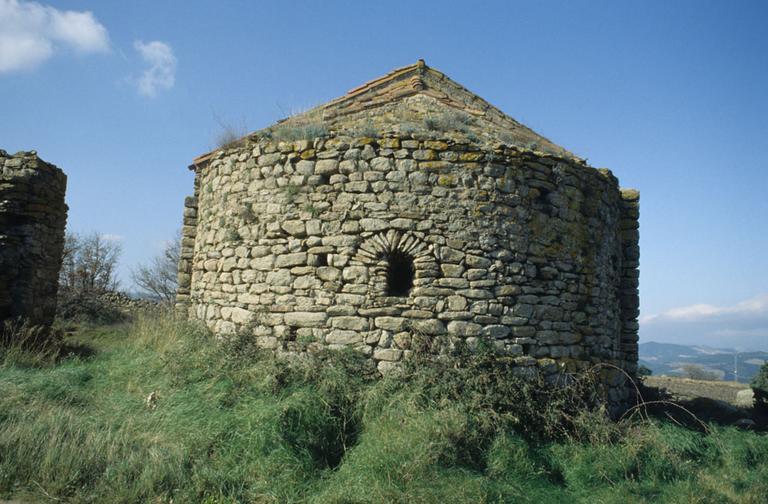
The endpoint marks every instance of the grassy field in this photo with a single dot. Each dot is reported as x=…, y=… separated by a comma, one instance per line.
x=157, y=411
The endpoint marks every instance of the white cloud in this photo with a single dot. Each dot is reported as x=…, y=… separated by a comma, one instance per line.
x=755, y=306
x=110, y=237
x=744, y=324
x=161, y=71
x=30, y=33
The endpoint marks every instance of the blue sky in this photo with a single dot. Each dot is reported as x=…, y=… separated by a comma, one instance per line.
x=669, y=95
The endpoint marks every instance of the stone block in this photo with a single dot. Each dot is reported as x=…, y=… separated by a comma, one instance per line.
x=394, y=324
x=382, y=164
x=496, y=331
x=288, y=260
x=355, y=274
x=387, y=354
x=350, y=323
x=265, y=263
x=326, y=167
x=452, y=270
x=305, y=167
x=523, y=331
x=432, y=327
x=424, y=155
x=463, y=329
x=450, y=255
x=295, y=228
x=328, y=273
x=369, y=224
x=343, y=337
x=305, y=319
x=279, y=278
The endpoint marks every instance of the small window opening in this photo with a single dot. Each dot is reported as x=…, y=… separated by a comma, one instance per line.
x=400, y=273
x=542, y=197
x=322, y=259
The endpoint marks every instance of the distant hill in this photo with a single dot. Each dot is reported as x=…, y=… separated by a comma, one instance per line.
x=668, y=359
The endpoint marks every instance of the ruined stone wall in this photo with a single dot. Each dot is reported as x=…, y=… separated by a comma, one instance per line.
x=32, y=219
x=630, y=277
x=376, y=244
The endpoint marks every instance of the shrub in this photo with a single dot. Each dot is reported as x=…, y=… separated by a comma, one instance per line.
x=367, y=129
x=88, y=308
x=697, y=372
x=307, y=131
x=232, y=235
x=497, y=396
x=291, y=190
x=88, y=272
x=246, y=213
x=760, y=387
x=229, y=135
x=449, y=121
x=25, y=345
x=507, y=138
x=89, y=264
x=158, y=280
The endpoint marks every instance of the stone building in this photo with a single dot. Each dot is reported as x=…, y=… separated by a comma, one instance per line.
x=32, y=219
x=407, y=210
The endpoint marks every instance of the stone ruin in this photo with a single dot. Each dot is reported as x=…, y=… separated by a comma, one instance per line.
x=411, y=209
x=32, y=219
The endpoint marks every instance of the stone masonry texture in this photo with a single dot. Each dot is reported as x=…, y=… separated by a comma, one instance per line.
x=379, y=239
x=32, y=220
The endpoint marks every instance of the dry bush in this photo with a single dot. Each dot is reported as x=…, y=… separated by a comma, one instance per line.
x=697, y=372
x=88, y=271
x=229, y=134
x=158, y=279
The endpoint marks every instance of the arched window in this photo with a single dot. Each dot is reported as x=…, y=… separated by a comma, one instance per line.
x=400, y=273
x=395, y=260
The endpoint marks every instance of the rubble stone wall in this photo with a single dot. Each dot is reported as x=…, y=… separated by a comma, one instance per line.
x=32, y=220
x=381, y=244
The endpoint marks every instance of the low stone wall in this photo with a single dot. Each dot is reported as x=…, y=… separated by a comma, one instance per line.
x=32, y=220
x=375, y=243
x=125, y=302
x=685, y=388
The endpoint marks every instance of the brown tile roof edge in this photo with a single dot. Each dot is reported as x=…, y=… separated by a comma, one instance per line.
x=202, y=159
x=383, y=79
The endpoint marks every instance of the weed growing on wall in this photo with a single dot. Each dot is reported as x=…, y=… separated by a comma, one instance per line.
x=449, y=121
x=291, y=133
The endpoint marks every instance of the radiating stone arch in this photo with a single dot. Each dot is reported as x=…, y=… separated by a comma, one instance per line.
x=378, y=251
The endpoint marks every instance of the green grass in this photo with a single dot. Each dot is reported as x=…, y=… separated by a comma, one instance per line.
x=231, y=424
